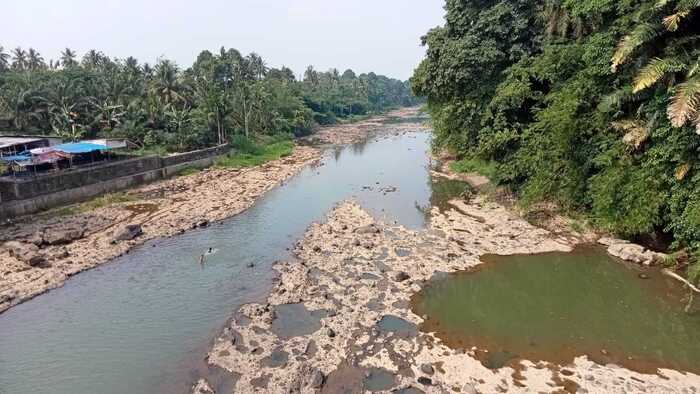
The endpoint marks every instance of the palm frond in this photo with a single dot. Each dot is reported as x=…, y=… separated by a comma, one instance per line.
x=657, y=68
x=685, y=103
x=615, y=100
x=672, y=21
x=662, y=3
x=644, y=33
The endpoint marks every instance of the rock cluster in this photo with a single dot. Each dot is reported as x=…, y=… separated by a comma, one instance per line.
x=628, y=251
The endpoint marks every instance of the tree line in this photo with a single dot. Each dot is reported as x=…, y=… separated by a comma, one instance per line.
x=221, y=96
x=592, y=104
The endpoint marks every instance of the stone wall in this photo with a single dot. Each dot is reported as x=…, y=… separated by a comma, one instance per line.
x=22, y=197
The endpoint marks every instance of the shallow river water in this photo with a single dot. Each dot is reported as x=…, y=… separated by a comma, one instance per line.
x=557, y=306
x=143, y=323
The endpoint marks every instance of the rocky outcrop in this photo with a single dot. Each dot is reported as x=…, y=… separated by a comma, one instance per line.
x=62, y=236
x=26, y=252
x=628, y=251
x=129, y=232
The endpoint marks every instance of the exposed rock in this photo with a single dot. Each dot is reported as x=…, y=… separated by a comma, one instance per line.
x=400, y=276
x=20, y=249
x=425, y=381
x=202, y=223
x=427, y=369
x=63, y=236
x=28, y=253
x=129, y=232
x=634, y=253
x=607, y=241
x=317, y=379
x=469, y=389
x=38, y=260
x=202, y=387
x=36, y=239
x=329, y=332
x=368, y=229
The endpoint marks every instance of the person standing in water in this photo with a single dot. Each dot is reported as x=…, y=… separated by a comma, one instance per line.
x=201, y=261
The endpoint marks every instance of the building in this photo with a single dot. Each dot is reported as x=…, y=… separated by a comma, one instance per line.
x=12, y=145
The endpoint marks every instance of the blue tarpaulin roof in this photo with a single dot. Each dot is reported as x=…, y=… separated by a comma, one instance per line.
x=80, y=147
x=15, y=158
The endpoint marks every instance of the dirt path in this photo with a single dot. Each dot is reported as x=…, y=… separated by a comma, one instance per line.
x=41, y=252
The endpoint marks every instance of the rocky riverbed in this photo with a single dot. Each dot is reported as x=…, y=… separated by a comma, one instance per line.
x=41, y=252
x=339, y=317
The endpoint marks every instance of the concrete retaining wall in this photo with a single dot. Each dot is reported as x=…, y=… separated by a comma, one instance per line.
x=49, y=191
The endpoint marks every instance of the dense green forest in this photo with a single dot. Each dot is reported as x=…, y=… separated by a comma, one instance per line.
x=222, y=96
x=591, y=104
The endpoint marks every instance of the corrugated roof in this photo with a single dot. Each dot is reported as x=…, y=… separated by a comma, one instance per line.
x=6, y=142
x=80, y=147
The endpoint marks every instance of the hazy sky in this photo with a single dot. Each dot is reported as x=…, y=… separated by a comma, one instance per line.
x=366, y=35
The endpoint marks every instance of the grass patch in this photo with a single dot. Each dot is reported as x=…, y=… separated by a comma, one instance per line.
x=188, y=171
x=248, y=153
x=473, y=164
x=106, y=200
x=99, y=202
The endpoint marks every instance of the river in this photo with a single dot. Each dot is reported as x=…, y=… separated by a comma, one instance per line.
x=143, y=323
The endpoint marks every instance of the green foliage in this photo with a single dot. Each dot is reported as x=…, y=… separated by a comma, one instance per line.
x=188, y=171
x=163, y=106
x=474, y=164
x=248, y=153
x=104, y=201
x=569, y=103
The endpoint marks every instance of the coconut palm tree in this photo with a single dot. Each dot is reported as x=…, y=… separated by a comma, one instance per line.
x=166, y=83
x=19, y=59
x=4, y=59
x=34, y=60
x=68, y=57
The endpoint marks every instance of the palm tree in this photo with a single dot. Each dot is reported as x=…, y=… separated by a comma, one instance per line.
x=258, y=67
x=4, y=59
x=679, y=64
x=68, y=58
x=34, y=60
x=166, y=84
x=93, y=58
x=19, y=59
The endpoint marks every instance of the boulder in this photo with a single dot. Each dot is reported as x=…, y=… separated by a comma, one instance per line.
x=316, y=379
x=36, y=239
x=400, y=276
x=607, y=241
x=427, y=369
x=329, y=332
x=28, y=253
x=369, y=229
x=129, y=232
x=634, y=253
x=63, y=236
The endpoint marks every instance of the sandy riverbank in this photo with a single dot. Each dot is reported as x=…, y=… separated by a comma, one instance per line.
x=41, y=252
x=357, y=271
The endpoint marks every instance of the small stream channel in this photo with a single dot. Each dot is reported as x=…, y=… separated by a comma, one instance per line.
x=143, y=323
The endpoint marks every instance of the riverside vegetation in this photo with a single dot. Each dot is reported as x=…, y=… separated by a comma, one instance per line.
x=221, y=97
x=593, y=105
